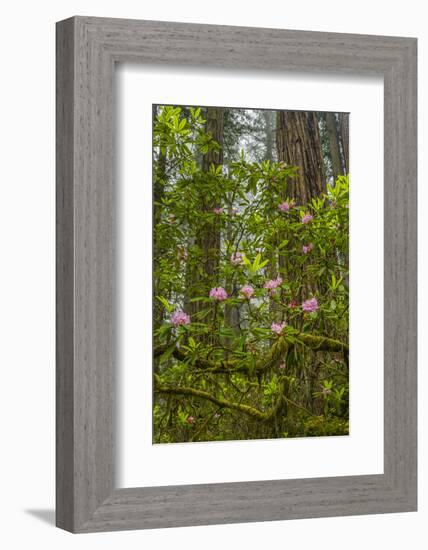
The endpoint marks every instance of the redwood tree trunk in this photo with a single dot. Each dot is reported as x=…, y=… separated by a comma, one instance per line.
x=269, y=120
x=299, y=144
x=208, y=240
x=210, y=237
x=344, y=138
x=334, y=146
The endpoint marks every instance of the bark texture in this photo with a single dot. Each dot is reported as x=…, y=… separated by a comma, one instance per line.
x=344, y=138
x=208, y=240
x=299, y=144
x=269, y=121
x=334, y=145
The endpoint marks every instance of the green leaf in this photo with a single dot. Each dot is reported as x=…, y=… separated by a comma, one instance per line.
x=265, y=262
x=167, y=353
x=165, y=303
x=246, y=260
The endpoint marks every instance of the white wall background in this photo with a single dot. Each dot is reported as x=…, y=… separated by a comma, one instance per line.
x=27, y=272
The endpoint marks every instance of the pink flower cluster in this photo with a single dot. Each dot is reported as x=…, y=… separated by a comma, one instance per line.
x=247, y=291
x=237, y=258
x=190, y=419
x=272, y=284
x=277, y=328
x=310, y=305
x=284, y=207
x=218, y=211
x=307, y=218
x=281, y=365
x=218, y=293
x=180, y=318
x=306, y=248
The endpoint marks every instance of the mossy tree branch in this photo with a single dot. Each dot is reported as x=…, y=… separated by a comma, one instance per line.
x=276, y=352
x=253, y=412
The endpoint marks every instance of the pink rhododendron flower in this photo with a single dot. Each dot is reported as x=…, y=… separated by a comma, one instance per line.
x=307, y=248
x=307, y=218
x=293, y=304
x=180, y=318
x=190, y=419
x=310, y=305
x=273, y=283
x=247, y=291
x=281, y=365
x=218, y=211
x=278, y=327
x=218, y=293
x=237, y=258
x=284, y=207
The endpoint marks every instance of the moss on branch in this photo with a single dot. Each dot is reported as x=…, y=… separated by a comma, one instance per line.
x=192, y=392
x=280, y=402
x=276, y=353
x=321, y=343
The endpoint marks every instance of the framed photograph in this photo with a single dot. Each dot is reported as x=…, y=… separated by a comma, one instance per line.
x=236, y=274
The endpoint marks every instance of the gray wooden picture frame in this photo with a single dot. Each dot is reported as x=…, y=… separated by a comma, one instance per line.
x=87, y=50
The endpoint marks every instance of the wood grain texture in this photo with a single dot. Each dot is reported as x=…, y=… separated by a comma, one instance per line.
x=87, y=49
x=64, y=276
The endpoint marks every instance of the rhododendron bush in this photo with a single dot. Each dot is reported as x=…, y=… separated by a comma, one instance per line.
x=250, y=287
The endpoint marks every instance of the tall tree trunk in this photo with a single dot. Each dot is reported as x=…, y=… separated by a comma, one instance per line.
x=344, y=139
x=299, y=144
x=210, y=237
x=208, y=240
x=214, y=126
x=269, y=135
x=334, y=145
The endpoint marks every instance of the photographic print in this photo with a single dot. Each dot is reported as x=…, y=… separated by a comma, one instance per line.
x=250, y=273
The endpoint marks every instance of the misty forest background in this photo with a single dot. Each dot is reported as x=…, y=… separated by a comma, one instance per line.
x=250, y=273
